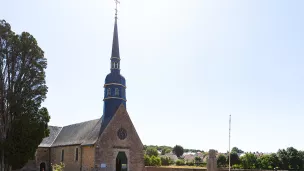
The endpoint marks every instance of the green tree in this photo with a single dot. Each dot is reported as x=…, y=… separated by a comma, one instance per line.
x=23, y=122
x=249, y=161
x=294, y=160
x=178, y=150
x=283, y=157
x=274, y=161
x=264, y=162
x=234, y=159
x=165, y=151
x=152, y=151
x=236, y=150
x=221, y=161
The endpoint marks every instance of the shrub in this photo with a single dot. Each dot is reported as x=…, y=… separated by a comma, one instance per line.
x=58, y=167
x=180, y=162
x=165, y=161
x=237, y=166
x=155, y=161
x=190, y=163
x=147, y=160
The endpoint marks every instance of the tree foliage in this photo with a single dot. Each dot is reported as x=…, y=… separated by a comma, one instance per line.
x=236, y=150
x=23, y=122
x=234, y=159
x=155, y=161
x=152, y=151
x=249, y=161
x=178, y=150
x=221, y=161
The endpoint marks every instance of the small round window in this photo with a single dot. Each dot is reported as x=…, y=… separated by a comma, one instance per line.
x=122, y=133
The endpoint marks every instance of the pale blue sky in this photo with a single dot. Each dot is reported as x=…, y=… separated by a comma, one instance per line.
x=188, y=65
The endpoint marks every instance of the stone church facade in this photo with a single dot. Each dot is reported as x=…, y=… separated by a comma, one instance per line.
x=109, y=143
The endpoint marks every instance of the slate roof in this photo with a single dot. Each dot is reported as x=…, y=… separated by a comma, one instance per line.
x=48, y=141
x=84, y=133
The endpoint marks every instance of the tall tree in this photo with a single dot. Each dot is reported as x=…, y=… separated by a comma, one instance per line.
x=178, y=150
x=283, y=157
x=23, y=122
x=221, y=161
x=236, y=150
x=249, y=161
x=234, y=159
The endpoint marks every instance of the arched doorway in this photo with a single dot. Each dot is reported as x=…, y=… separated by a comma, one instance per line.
x=42, y=166
x=121, y=162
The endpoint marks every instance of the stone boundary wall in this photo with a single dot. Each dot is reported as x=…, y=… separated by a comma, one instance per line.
x=151, y=168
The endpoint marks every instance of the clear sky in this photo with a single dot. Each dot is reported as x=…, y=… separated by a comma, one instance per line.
x=188, y=65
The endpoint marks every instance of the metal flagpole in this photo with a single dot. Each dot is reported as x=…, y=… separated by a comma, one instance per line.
x=229, y=138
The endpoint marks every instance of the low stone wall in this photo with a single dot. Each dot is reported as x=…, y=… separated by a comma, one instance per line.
x=150, y=168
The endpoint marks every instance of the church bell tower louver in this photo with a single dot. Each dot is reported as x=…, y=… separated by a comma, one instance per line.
x=115, y=83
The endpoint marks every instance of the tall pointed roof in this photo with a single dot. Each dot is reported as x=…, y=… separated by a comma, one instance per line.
x=115, y=45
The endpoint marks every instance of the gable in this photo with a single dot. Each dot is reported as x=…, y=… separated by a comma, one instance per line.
x=109, y=136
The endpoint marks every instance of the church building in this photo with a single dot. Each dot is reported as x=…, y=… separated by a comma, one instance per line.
x=109, y=143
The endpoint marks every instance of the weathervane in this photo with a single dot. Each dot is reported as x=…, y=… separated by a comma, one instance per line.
x=117, y=2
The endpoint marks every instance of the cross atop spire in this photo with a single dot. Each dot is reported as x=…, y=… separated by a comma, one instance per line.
x=116, y=2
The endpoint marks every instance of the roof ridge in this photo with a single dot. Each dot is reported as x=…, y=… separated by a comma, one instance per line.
x=80, y=122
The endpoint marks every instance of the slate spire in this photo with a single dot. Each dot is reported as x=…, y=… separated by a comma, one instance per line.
x=115, y=45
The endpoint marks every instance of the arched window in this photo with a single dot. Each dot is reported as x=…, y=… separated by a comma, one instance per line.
x=116, y=92
x=109, y=92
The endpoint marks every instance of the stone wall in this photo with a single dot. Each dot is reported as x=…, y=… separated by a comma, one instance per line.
x=42, y=156
x=88, y=157
x=108, y=145
x=69, y=157
x=150, y=168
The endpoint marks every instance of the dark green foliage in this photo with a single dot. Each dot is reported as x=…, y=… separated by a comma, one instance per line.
x=180, y=162
x=221, y=161
x=236, y=150
x=166, y=161
x=165, y=151
x=178, y=150
x=22, y=90
x=197, y=159
x=152, y=151
x=234, y=159
x=190, y=163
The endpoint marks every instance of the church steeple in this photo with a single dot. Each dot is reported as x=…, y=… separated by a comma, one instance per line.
x=115, y=83
x=115, y=57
